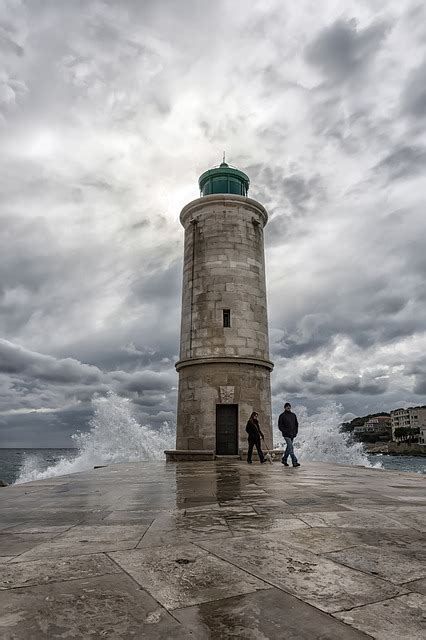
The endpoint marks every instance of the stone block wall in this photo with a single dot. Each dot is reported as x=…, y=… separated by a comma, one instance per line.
x=199, y=393
x=224, y=268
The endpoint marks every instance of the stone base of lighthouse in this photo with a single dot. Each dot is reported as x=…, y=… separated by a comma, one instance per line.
x=216, y=398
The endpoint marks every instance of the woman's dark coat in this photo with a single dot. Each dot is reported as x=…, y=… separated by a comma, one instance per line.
x=253, y=430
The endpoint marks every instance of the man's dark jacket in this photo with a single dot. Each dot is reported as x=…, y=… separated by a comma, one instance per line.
x=288, y=425
x=253, y=430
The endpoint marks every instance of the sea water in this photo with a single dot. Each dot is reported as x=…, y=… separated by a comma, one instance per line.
x=320, y=440
x=116, y=436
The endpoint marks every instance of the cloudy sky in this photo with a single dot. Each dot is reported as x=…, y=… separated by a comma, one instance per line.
x=109, y=111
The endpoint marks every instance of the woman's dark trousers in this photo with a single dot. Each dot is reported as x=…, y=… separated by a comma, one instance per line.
x=254, y=443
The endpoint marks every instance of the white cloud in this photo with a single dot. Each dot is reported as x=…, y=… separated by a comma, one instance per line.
x=107, y=125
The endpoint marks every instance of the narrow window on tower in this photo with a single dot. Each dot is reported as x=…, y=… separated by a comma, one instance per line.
x=227, y=317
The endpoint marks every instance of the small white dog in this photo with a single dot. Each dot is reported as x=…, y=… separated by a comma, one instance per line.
x=269, y=457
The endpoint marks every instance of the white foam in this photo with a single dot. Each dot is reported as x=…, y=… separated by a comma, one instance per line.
x=320, y=439
x=114, y=436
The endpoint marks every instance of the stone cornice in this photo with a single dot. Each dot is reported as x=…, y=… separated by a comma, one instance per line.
x=192, y=208
x=259, y=362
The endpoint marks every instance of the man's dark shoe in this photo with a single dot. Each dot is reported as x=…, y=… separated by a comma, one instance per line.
x=249, y=462
x=284, y=463
x=262, y=461
x=297, y=464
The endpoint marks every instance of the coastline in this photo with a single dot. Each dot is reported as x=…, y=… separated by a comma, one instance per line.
x=395, y=449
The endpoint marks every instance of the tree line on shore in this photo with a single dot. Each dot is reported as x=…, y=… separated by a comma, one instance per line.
x=402, y=434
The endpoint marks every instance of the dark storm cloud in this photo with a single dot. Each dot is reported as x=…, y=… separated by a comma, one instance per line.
x=310, y=375
x=43, y=394
x=144, y=380
x=127, y=349
x=161, y=282
x=364, y=329
x=300, y=190
x=26, y=259
x=31, y=370
x=290, y=198
x=414, y=95
x=342, y=49
x=316, y=382
x=8, y=43
x=104, y=128
x=404, y=162
x=420, y=385
x=17, y=360
x=381, y=320
x=44, y=429
x=349, y=57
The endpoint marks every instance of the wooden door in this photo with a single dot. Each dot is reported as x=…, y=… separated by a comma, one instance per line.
x=226, y=429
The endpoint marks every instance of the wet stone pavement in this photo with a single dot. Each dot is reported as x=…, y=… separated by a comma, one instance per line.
x=215, y=550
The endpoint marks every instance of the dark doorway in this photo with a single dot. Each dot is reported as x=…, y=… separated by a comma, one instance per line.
x=227, y=429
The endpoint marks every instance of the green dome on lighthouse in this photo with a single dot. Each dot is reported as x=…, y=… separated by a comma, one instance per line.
x=224, y=179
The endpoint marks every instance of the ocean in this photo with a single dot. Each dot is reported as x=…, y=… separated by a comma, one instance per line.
x=14, y=462
x=116, y=436
x=21, y=463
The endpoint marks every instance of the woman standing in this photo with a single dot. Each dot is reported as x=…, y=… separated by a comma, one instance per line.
x=254, y=435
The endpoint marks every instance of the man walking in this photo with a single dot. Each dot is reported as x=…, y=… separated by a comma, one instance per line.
x=288, y=425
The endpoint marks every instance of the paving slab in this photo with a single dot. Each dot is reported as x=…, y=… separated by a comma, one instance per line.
x=419, y=586
x=134, y=517
x=87, y=539
x=31, y=528
x=180, y=536
x=414, y=519
x=103, y=553
x=396, y=565
x=375, y=537
x=359, y=519
x=17, y=543
x=198, y=522
x=324, y=507
x=24, y=574
x=401, y=618
x=41, y=518
x=326, y=539
x=102, y=607
x=179, y=528
x=316, y=580
x=322, y=539
x=222, y=510
x=263, y=524
x=265, y=615
x=179, y=576
x=5, y=524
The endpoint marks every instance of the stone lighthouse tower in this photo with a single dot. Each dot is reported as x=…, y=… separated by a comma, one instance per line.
x=224, y=367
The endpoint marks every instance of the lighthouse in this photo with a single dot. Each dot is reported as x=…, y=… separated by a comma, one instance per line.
x=224, y=366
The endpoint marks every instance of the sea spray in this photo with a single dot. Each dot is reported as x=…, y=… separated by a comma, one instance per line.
x=320, y=439
x=114, y=436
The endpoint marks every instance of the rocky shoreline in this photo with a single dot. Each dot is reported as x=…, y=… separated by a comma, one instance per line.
x=395, y=449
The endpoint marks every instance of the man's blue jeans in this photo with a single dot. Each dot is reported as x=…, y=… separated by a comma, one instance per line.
x=289, y=451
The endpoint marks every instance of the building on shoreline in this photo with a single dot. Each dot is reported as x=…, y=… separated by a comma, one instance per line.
x=411, y=418
x=224, y=366
x=379, y=426
x=422, y=435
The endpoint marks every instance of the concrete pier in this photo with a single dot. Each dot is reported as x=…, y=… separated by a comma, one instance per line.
x=215, y=550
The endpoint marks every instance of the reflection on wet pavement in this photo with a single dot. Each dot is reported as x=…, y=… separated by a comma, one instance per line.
x=214, y=550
